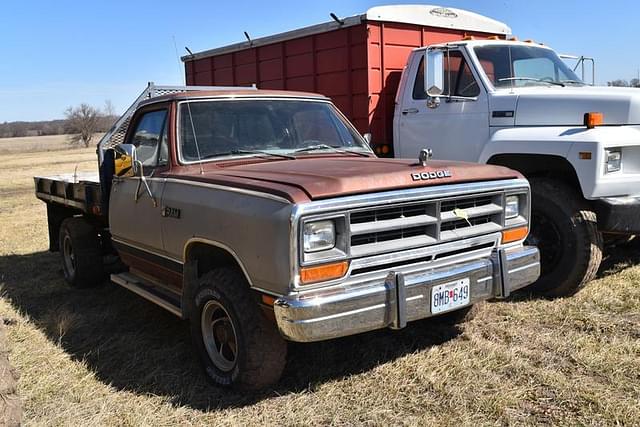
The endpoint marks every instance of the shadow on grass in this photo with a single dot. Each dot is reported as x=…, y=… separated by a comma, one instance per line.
x=134, y=345
x=615, y=258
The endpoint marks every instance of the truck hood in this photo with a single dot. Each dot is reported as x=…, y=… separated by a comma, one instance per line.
x=566, y=106
x=324, y=177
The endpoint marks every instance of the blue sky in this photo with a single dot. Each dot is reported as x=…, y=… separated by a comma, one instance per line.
x=60, y=53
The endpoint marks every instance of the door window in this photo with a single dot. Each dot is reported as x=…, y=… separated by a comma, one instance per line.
x=458, y=76
x=150, y=139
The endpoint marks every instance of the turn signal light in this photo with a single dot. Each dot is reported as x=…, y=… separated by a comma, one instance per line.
x=514, y=234
x=320, y=273
x=593, y=119
x=268, y=299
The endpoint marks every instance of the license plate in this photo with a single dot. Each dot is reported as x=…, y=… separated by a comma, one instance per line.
x=450, y=296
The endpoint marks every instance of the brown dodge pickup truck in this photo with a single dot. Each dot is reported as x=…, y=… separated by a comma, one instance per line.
x=263, y=216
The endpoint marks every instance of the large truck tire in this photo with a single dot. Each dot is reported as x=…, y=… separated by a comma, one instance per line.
x=237, y=344
x=565, y=231
x=81, y=253
x=10, y=403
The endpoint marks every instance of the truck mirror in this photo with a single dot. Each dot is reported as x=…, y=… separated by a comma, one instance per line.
x=126, y=161
x=367, y=137
x=434, y=72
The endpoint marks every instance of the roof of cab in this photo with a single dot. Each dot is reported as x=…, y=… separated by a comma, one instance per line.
x=234, y=93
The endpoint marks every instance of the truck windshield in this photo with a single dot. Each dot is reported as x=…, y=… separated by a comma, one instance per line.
x=509, y=66
x=217, y=128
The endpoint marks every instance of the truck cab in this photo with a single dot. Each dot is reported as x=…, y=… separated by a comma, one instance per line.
x=518, y=104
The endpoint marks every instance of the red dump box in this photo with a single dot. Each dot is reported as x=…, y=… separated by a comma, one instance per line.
x=357, y=61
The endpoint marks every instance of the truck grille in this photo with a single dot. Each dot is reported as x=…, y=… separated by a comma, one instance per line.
x=391, y=228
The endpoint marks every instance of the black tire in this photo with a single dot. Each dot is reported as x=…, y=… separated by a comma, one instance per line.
x=566, y=233
x=223, y=301
x=81, y=253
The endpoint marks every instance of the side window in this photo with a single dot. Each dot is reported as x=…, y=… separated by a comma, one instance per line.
x=460, y=77
x=418, y=85
x=150, y=139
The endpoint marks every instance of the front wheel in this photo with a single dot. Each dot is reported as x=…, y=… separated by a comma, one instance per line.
x=237, y=344
x=565, y=231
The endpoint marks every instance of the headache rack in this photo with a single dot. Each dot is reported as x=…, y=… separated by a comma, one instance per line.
x=118, y=131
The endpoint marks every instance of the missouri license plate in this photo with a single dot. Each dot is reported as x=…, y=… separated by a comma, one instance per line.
x=450, y=296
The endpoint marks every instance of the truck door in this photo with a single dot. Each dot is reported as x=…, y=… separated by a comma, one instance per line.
x=454, y=129
x=134, y=214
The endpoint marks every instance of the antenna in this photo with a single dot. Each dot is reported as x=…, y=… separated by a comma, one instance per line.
x=175, y=47
x=247, y=36
x=189, y=50
x=335, y=18
x=195, y=138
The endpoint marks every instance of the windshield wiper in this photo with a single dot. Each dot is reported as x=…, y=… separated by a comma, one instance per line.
x=578, y=82
x=264, y=153
x=329, y=147
x=532, y=79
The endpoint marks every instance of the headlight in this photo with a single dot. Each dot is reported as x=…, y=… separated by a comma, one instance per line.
x=614, y=160
x=319, y=236
x=512, y=207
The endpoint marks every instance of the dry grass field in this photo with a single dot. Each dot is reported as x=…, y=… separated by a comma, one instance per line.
x=104, y=356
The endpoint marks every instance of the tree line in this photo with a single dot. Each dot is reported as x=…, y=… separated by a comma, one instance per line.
x=624, y=83
x=81, y=122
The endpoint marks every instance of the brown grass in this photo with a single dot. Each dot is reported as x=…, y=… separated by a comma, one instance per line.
x=30, y=144
x=106, y=357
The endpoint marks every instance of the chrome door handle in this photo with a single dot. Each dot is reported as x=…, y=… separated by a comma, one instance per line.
x=410, y=111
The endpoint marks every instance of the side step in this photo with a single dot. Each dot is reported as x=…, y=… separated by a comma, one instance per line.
x=149, y=291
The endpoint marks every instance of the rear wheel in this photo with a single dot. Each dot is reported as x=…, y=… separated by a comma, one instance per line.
x=237, y=344
x=81, y=253
x=565, y=231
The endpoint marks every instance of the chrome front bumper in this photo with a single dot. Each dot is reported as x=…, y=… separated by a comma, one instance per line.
x=392, y=302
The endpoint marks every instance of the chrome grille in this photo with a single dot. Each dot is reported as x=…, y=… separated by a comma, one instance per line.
x=390, y=228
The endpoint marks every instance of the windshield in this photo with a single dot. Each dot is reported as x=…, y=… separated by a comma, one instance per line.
x=217, y=128
x=509, y=66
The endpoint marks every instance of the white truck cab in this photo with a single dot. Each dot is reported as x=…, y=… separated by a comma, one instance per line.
x=518, y=104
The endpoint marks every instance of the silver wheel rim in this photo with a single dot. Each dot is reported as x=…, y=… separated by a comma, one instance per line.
x=219, y=336
x=69, y=256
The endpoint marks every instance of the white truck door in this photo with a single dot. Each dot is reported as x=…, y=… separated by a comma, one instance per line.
x=454, y=130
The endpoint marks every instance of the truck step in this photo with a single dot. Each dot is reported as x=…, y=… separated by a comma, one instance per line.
x=150, y=291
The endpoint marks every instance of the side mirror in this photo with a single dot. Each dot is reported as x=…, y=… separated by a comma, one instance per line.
x=367, y=137
x=434, y=72
x=126, y=161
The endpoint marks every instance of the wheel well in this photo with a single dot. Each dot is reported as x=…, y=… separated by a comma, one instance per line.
x=201, y=257
x=56, y=214
x=540, y=165
x=207, y=257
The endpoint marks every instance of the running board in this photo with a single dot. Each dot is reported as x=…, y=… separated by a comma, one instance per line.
x=148, y=291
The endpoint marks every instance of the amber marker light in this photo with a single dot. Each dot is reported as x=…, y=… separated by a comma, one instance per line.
x=320, y=273
x=593, y=119
x=585, y=155
x=268, y=299
x=514, y=234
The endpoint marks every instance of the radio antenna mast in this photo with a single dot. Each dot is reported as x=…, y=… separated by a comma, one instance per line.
x=195, y=138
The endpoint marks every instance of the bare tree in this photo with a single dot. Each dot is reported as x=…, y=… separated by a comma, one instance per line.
x=108, y=116
x=82, y=123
